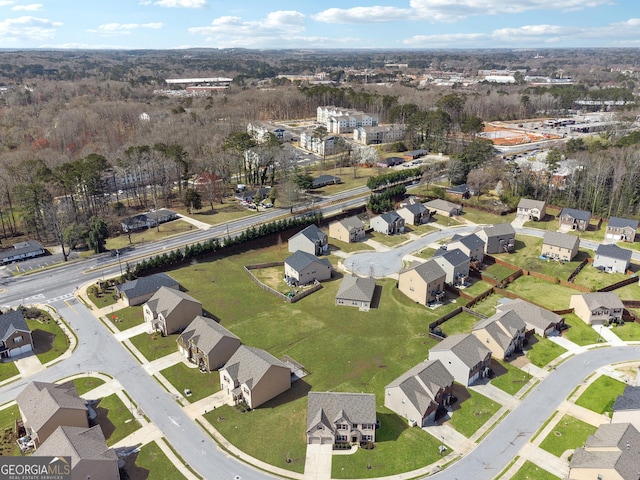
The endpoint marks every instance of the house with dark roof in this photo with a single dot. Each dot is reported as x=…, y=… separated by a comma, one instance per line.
x=423, y=283
x=138, y=291
x=21, y=251
x=207, y=343
x=414, y=214
x=15, y=335
x=541, y=321
x=460, y=191
x=572, y=219
x=348, y=230
x=419, y=393
x=169, y=311
x=464, y=356
x=499, y=238
x=311, y=240
x=455, y=264
x=503, y=333
x=46, y=406
x=529, y=209
x=87, y=447
x=324, y=180
x=612, y=259
x=302, y=268
x=356, y=292
x=597, y=308
x=471, y=245
x=340, y=418
x=253, y=196
x=254, y=376
x=148, y=220
x=389, y=162
x=621, y=229
x=388, y=223
x=413, y=154
x=443, y=207
x=559, y=246
x=626, y=408
x=611, y=452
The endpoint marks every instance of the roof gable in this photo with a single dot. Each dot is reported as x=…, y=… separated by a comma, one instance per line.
x=337, y=407
x=356, y=288
x=12, y=321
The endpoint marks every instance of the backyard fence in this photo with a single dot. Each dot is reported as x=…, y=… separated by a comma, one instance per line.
x=266, y=288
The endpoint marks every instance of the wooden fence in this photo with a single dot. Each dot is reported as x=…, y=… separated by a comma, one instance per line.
x=266, y=288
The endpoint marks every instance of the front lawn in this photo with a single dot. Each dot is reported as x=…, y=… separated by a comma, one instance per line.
x=579, y=332
x=530, y=471
x=49, y=341
x=420, y=230
x=86, y=384
x=102, y=298
x=389, y=240
x=444, y=220
x=601, y=394
x=482, y=217
x=335, y=244
x=8, y=370
x=155, y=346
x=471, y=411
x=554, y=297
x=115, y=419
x=426, y=253
x=510, y=379
x=201, y=384
x=398, y=448
x=569, y=434
x=150, y=463
x=629, y=332
x=8, y=445
x=127, y=317
x=541, y=351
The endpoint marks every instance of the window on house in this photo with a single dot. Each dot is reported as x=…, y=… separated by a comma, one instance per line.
x=367, y=438
x=17, y=339
x=342, y=426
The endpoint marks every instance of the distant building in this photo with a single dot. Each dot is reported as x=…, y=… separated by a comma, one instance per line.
x=378, y=135
x=148, y=220
x=261, y=130
x=348, y=230
x=22, y=251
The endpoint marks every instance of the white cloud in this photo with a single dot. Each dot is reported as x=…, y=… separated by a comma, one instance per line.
x=181, y=3
x=282, y=23
x=28, y=8
x=4, y=3
x=145, y=2
x=446, y=40
x=27, y=28
x=375, y=14
x=126, y=28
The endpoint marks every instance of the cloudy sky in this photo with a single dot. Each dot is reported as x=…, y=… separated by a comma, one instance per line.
x=319, y=24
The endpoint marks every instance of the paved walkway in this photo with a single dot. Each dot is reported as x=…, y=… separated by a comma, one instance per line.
x=317, y=465
x=456, y=442
x=194, y=222
x=609, y=335
x=132, y=332
x=496, y=394
x=572, y=348
x=164, y=362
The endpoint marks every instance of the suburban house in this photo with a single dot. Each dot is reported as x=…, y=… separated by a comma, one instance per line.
x=607, y=454
x=254, y=376
x=348, y=230
x=15, y=335
x=169, y=311
x=87, y=447
x=626, y=408
x=621, y=229
x=502, y=333
x=499, y=238
x=356, y=292
x=423, y=283
x=207, y=343
x=455, y=264
x=414, y=214
x=462, y=192
x=302, y=268
x=531, y=209
x=464, y=356
x=46, y=406
x=471, y=245
x=573, y=219
x=541, y=321
x=311, y=240
x=559, y=246
x=413, y=154
x=419, y=393
x=443, y=207
x=21, y=251
x=148, y=219
x=597, y=308
x=612, y=258
x=387, y=223
x=138, y=291
x=335, y=418
x=252, y=196
x=389, y=162
x=324, y=180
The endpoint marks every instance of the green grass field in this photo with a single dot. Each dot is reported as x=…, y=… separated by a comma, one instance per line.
x=579, y=332
x=8, y=417
x=115, y=419
x=389, y=240
x=601, y=394
x=127, y=317
x=8, y=370
x=150, y=463
x=86, y=384
x=629, y=332
x=554, y=297
x=469, y=414
x=168, y=229
x=155, y=346
x=570, y=433
x=512, y=380
x=48, y=338
x=530, y=471
x=542, y=351
x=201, y=384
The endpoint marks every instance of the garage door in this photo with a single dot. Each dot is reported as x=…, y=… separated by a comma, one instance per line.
x=314, y=440
x=327, y=441
x=17, y=351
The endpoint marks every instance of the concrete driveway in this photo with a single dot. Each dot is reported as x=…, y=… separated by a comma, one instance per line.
x=317, y=465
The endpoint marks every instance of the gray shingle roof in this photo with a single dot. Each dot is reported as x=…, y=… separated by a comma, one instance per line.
x=602, y=299
x=323, y=180
x=614, y=251
x=206, y=333
x=429, y=271
x=79, y=443
x=499, y=230
x=466, y=347
x=356, y=288
x=39, y=401
x=502, y=327
x=10, y=322
x=21, y=248
x=358, y=408
x=532, y=314
x=617, y=222
x=416, y=208
x=299, y=260
x=440, y=204
x=166, y=300
x=455, y=257
x=421, y=383
x=248, y=365
x=629, y=400
x=145, y=285
x=390, y=217
x=529, y=203
x=471, y=241
x=562, y=240
x=577, y=214
x=313, y=233
x=459, y=189
x=351, y=223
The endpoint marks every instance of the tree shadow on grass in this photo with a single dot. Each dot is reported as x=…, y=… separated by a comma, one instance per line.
x=461, y=394
x=42, y=341
x=377, y=294
x=101, y=419
x=133, y=471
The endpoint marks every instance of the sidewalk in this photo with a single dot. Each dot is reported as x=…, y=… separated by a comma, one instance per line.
x=317, y=465
x=495, y=394
x=194, y=222
x=608, y=335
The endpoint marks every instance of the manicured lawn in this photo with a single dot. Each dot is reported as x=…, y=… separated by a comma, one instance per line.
x=448, y=221
x=150, y=463
x=511, y=380
x=48, y=338
x=570, y=433
x=530, y=471
x=628, y=332
x=348, y=247
x=487, y=306
x=554, y=297
x=127, y=317
x=579, y=332
x=425, y=253
x=482, y=217
x=420, y=229
x=104, y=299
x=469, y=414
x=601, y=394
x=541, y=351
x=8, y=416
x=201, y=384
x=478, y=287
x=86, y=384
x=461, y=323
x=592, y=277
x=155, y=346
x=389, y=240
x=115, y=419
x=149, y=235
x=228, y=211
x=395, y=451
x=8, y=370
x=498, y=272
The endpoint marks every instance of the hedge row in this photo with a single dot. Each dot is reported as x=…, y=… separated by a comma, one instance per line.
x=374, y=183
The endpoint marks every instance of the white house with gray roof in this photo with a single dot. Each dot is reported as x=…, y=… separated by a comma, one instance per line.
x=531, y=209
x=423, y=283
x=388, y=223
x=471, y=245
x=311, y=240
x=499, y=238
x=503, y=333
x=138, y=291
x=418, y=393
x=612, y=259
x=559, y=246
x=348, y=230
x=341, y=418
x=15, y=335
x=542, y=321
x=414, y=214
x=254, y=376
x=621, y=229
x=21, y=251
x=302, y=268
x=356, y=292
x=207, y=343
x=464, y=356
x=597, y=308
x=455, y=264
x=169, y=311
